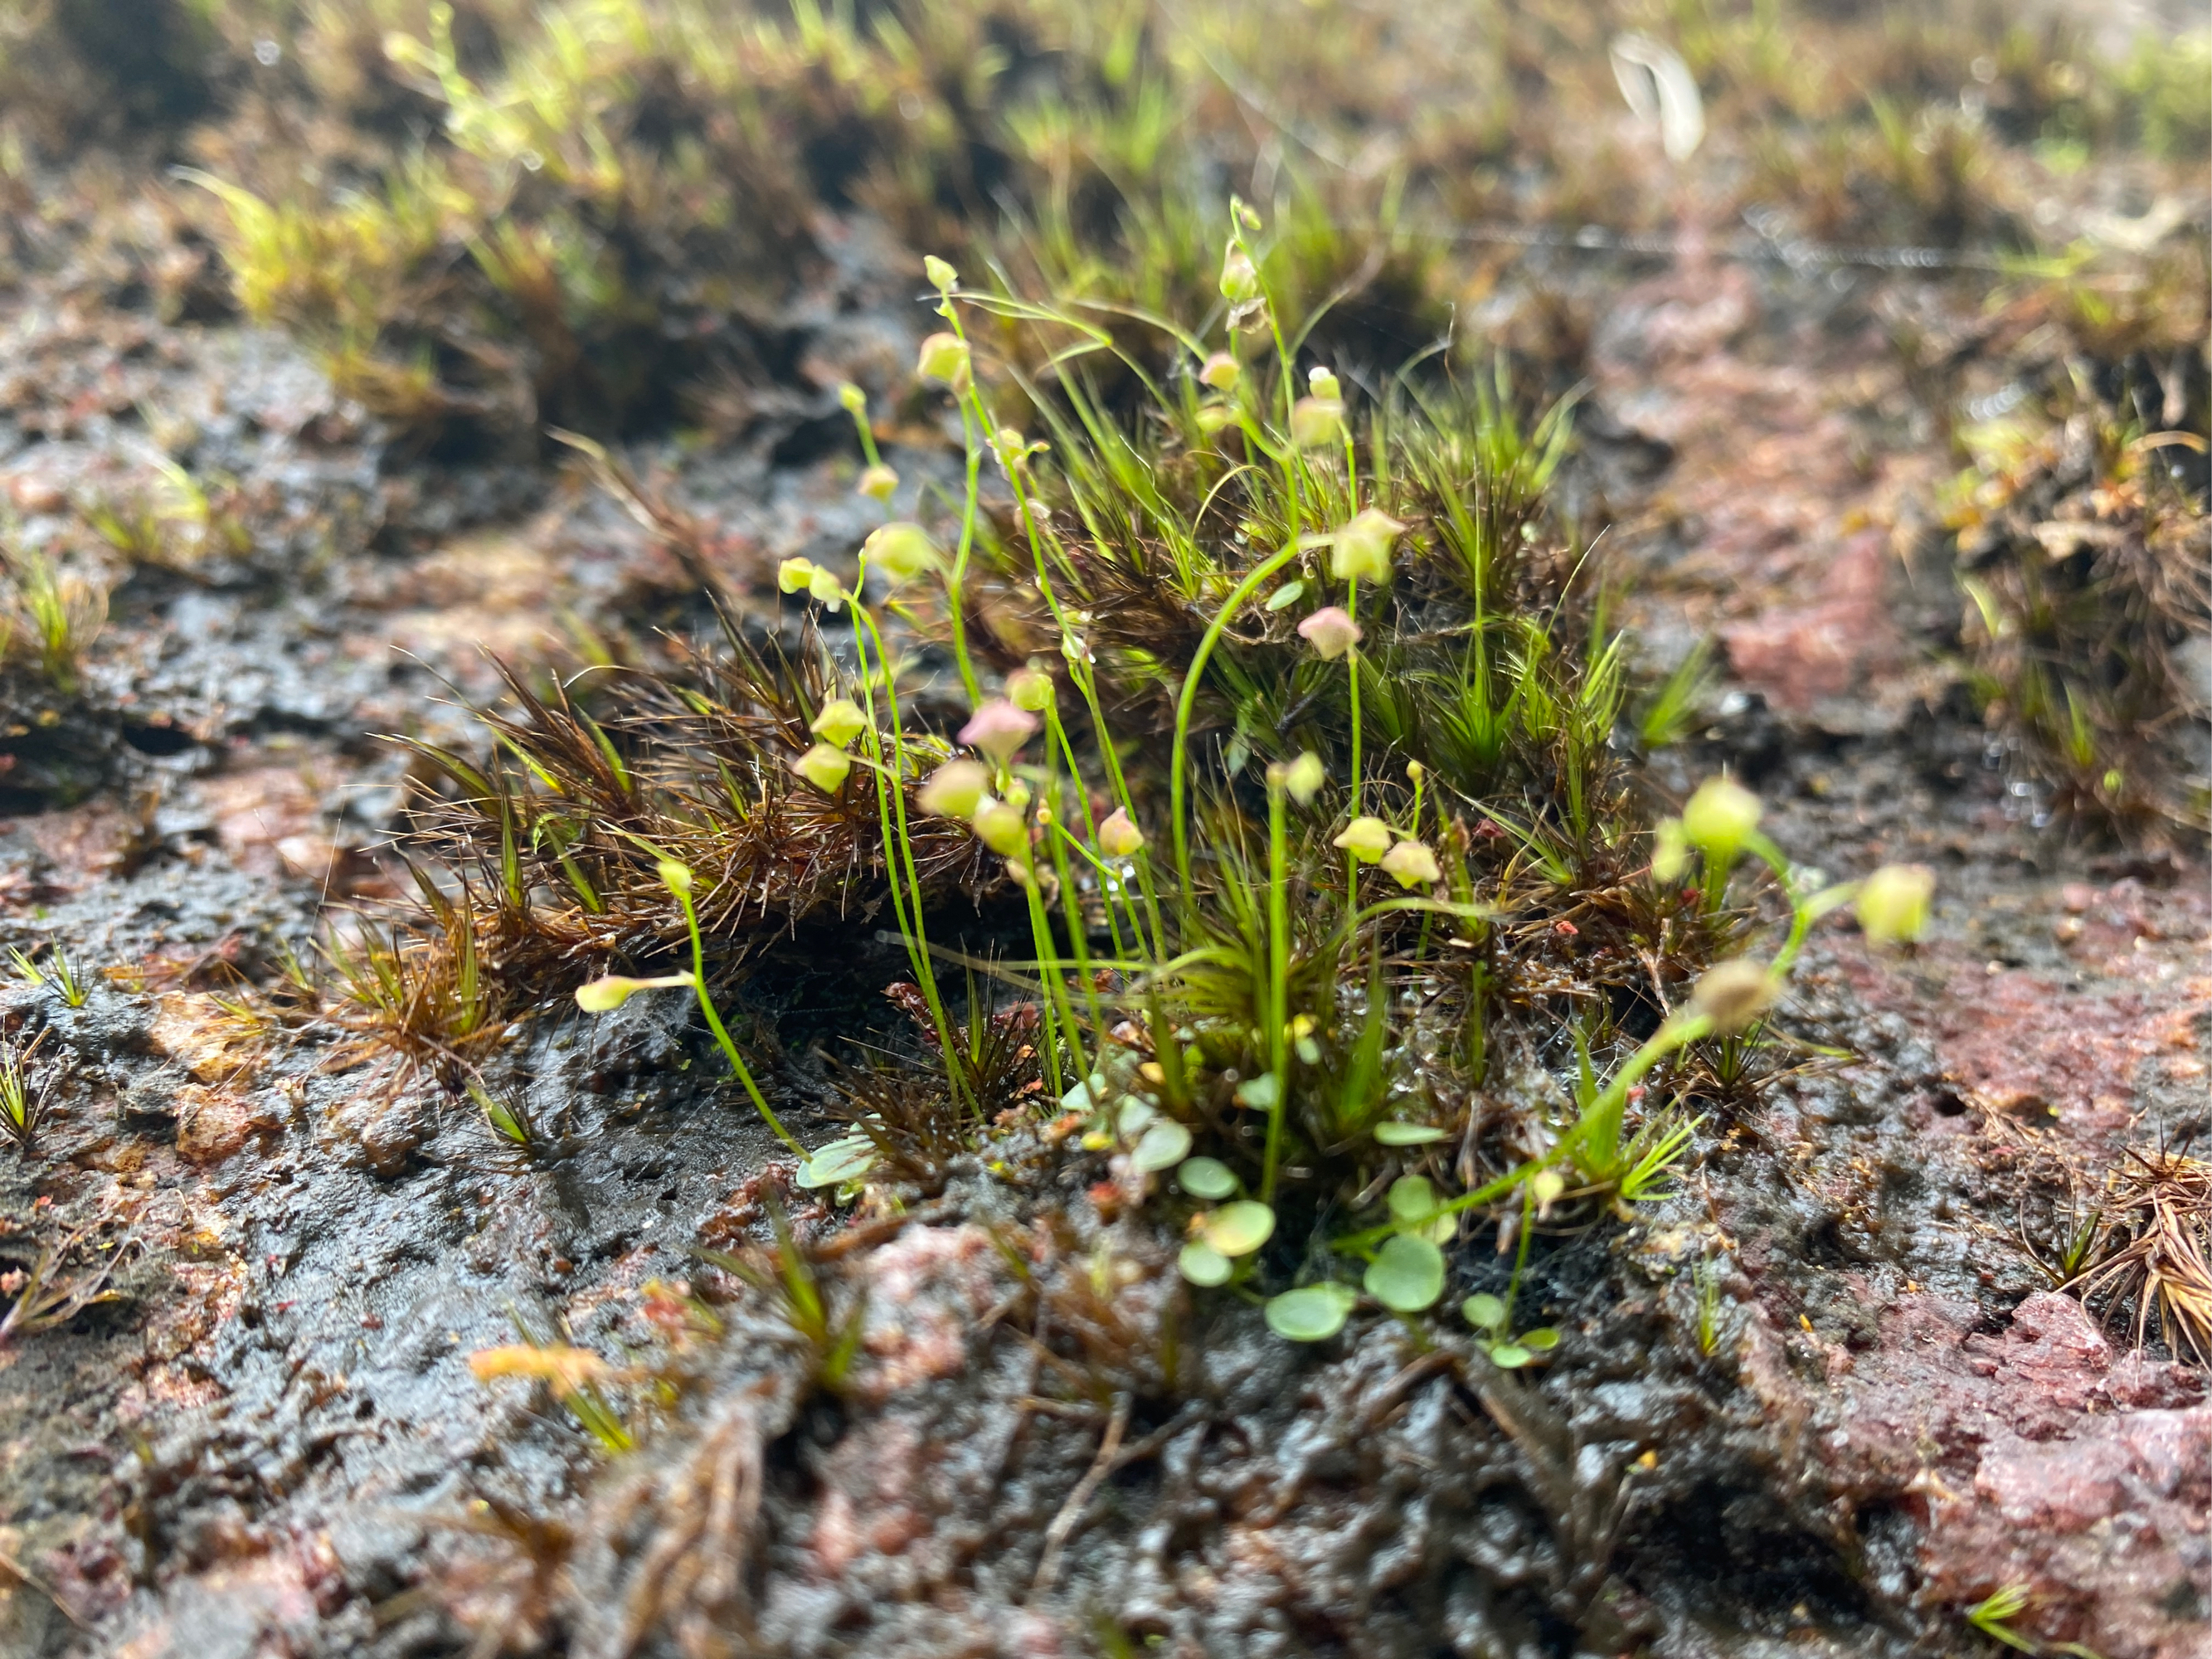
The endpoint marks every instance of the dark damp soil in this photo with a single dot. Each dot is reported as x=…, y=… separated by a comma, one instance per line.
x=1816, y=1404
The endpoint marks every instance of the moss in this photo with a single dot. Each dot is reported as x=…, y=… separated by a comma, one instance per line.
x=492, y=217
x=2082, y=540
x=1290, y=843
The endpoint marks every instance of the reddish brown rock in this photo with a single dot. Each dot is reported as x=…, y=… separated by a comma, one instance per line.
x=213, y=1123
x=1802, y=654
x=198, y=1033
x=2042, y=1457
x=927, y=1288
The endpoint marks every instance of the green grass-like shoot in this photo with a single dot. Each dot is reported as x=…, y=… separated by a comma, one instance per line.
x=507, y=1118
x=20, y=1102
x=57, y=973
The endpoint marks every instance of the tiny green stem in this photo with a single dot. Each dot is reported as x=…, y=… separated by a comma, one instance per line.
x=1352, y=672
x=1279, y=979
x=1056, y=736
x=867, y=434
x=1071, y=909
x=721, y=1033
x=1054, y=975
x=956, y=582
x=1521, y=1253
x=1072, y=913
x=1177, y=788
x=898, y=841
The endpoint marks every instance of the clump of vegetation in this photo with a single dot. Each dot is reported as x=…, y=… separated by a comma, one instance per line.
x=505, y=1117
x=578, y=1378
x=827, y=1324
x=2083, y=542
x=56, y=973
x=170, y=518
x=421, y=998
x=1945, y=125
x=45, y=1301
x=617, y=199
x=48, y=619
x=2149, y=1246
x=21, y=1099
x=1994, y=1616
x=1288, y=742
x=492, y=216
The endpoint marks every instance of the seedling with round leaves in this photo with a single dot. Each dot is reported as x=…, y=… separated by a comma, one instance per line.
x=842, y=1164
x=1405, y=1273
x=1207, y=1178
x=1222, y=1239
x=1491, y=1318
x=1161, y=1144
x=1408, y=1273
x=1395, y=1134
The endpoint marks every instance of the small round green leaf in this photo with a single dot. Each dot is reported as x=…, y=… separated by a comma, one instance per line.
x=1261, y=1094
x=1203, y=1264
x=1407, y=1134
x=1412, y=1199
x=1407, y=1274
x=1162, y=1146
x=1240, y=1228
x=1206, y=1177
x=839, y=1162
x=1133, y=1117
x=1484, y=1312
x=1509, y=1356
x=1313, y=1314
x=1542, y=1339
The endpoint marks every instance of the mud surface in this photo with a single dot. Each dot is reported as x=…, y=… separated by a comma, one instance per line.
x=260, y=1434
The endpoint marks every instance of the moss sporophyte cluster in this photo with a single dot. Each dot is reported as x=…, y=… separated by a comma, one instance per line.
x=1264, y=993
